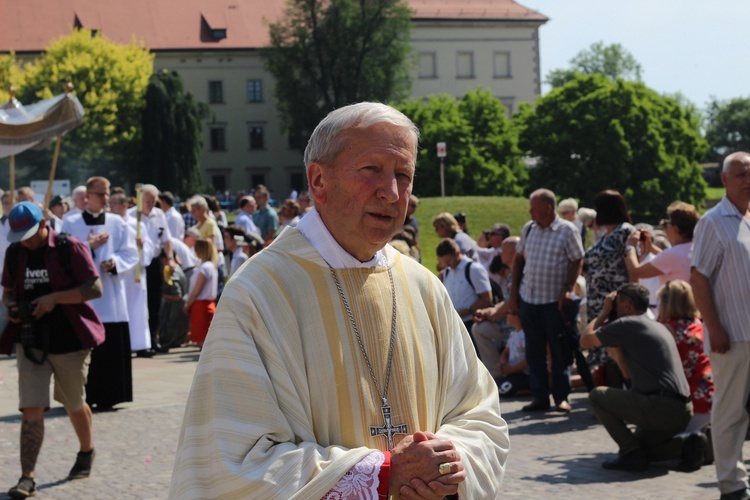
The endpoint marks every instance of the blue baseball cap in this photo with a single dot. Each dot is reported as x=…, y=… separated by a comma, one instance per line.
x=24, y=221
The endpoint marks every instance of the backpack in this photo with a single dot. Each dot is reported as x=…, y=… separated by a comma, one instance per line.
x=496, y=292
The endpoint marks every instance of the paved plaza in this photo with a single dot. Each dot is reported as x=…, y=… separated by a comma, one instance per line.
x=552, y=455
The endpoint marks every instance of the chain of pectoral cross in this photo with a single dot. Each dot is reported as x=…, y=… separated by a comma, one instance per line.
x=388, y=429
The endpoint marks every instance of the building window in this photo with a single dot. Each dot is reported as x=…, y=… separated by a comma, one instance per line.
x=465, y=65
x=508, y=103
x=218, y=138
x=427, y=66
x=257, y=178
x=218, y=34
x=219, y=182
x=502, y=65
x=256, y=136
x=255, y=91
x=215, y=92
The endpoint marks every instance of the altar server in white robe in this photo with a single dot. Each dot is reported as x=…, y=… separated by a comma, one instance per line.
x=140, y=334
x=110, y=379
x=335, y=367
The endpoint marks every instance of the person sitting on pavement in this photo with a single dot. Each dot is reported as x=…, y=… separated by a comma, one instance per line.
x=514, y=370
x=658, y=403
x=446, y=226
x=468, y=285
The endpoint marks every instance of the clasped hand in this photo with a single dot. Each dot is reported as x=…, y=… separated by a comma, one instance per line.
x=415, y=463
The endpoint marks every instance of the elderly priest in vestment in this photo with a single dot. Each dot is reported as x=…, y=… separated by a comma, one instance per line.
x=336, y=367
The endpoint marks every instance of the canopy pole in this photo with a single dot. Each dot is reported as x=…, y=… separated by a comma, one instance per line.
x=48, y=195
x=12, y=188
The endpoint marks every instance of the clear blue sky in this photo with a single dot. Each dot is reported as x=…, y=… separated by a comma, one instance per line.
x=699, y=48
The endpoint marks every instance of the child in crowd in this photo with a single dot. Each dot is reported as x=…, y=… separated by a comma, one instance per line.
x=513, y=366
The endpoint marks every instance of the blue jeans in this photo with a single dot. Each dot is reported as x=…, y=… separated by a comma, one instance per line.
x=542, y=326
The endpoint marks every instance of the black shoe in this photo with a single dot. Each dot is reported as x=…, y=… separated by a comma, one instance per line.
x=694, y=451
x=25, y=488
x=743, y=494
x=710, y=453
x=145, y=353
x=82, y=467
x=537, y=405
x=634, y=461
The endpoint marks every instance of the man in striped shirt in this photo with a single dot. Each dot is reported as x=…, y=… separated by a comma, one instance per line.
x=720, y=276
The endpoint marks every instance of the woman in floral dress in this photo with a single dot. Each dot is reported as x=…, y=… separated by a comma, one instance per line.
x=679, y=314
x=605, y=268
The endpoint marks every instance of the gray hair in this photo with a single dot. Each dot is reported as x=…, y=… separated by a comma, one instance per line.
x=568, y=205
x=78, y=190
x=732, y=158
x=327, y=140
x=198, y=201
x=586, y=215
x=545, y=195
x=150, y=189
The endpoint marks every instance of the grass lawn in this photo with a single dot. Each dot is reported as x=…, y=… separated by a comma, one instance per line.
x=481, y=212
x=714, y=193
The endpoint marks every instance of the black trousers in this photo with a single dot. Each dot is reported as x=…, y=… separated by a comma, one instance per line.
x=154, y=278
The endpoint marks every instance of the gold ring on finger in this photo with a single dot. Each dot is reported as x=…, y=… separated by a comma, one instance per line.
x=444, y=469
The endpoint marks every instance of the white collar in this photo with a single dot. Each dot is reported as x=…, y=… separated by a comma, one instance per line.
x=320, y=238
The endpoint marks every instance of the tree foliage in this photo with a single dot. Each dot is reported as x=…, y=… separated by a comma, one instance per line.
x=326, y=54
x=728, y=127
x=109, y=79
x=171, y=143
x=483, y=156
x=593, y=134
x=612, y=61
x=10, y=73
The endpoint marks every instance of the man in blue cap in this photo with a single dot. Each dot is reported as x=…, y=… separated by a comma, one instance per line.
x=47, y=280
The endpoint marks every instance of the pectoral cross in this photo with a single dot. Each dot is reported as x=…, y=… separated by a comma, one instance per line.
x=388, y=430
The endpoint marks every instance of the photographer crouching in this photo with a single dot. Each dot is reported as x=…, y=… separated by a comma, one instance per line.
x=659, y=403
x=47, y=280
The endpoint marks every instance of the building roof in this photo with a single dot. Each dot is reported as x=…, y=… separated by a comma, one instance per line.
x=164, y=25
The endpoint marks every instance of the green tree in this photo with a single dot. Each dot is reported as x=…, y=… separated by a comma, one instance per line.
x=10, y=73
x=612, y=61
x=109, y=80
x=728, y=127
x=593, y=134
x=171, y=141
x=326, y=54
x=483, y=156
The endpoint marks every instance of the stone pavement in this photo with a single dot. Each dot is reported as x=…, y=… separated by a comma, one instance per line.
x=551, y=454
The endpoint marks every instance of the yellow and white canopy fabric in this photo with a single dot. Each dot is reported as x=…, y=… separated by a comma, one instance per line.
x=24, y=127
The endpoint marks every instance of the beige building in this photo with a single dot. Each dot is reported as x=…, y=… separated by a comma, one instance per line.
x=213, y=44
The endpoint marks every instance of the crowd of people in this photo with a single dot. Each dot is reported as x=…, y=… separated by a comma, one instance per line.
x=640, y=301
x=150, y=271
x=127, y=275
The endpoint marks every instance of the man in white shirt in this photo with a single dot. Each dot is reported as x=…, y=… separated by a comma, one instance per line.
x=234, y=238
x=468, y=285
x=158, y=230
x=175, y=222
x=490, y=243
x=248, y=206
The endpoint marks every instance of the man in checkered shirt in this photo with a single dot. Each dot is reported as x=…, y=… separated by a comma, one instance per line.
x=548, y=261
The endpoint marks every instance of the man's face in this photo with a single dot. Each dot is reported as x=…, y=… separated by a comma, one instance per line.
x=58, y=210
x=541, y=213
x=304, y=202
x=7, y=207
x=736, y=181
x=39, y=239
x=568, y=215
x=261, y=199
x=508, y=254
x=79, y=200
x=446, y=261
x=149, y=202
x=229, y=242
x=119, y=207
x=97, y=197
x=363, y=195
x=495, y=239
x=412, y=208
x=251, y=206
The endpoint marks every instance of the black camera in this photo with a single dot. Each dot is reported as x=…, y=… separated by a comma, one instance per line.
x=23, y=311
